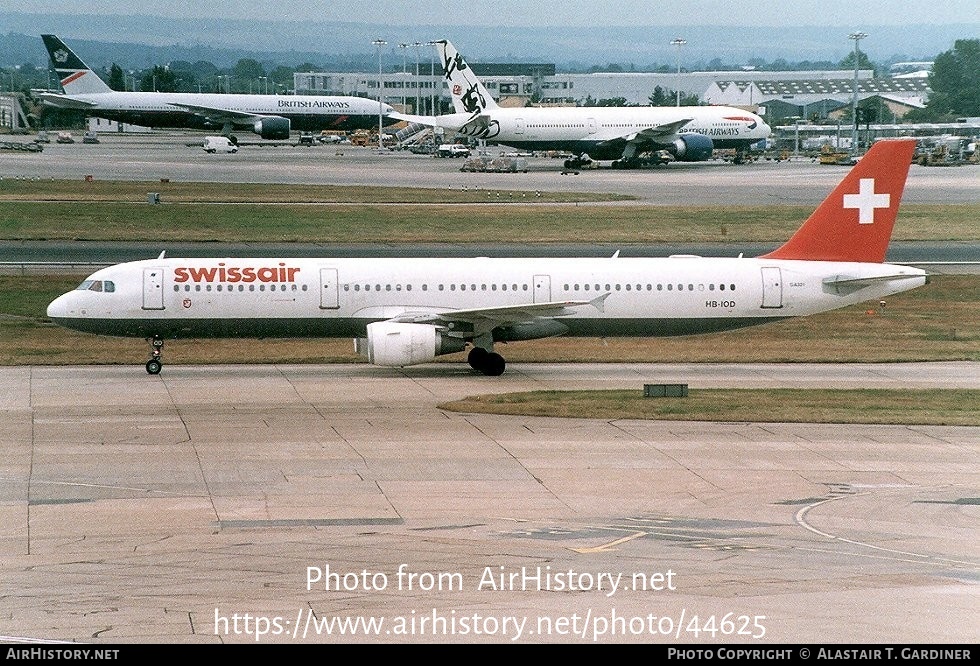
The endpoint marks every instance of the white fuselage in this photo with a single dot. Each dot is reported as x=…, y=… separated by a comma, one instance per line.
x=177, y=298
x=603, y=131
x=160, y=109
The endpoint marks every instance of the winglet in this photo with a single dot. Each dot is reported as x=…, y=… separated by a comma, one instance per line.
x=854, y=223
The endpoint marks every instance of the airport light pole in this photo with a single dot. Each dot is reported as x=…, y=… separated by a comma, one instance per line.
x=432, y=76
x=381, y=95
x=796, y=139
x=418, y=88
x=678, y=43
x=857, y=37
x=404, y=47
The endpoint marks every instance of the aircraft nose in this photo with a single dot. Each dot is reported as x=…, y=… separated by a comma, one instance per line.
x=59, y=307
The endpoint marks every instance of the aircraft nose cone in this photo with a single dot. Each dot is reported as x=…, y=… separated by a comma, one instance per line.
x=58, y=308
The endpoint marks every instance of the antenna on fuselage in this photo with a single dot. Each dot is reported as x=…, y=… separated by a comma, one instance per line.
x=161, y=254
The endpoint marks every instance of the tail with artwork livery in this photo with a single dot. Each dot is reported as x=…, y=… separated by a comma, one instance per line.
x=76, y=77
x=468, y=94
x=854, y=223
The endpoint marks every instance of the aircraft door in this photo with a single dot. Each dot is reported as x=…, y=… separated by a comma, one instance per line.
x=152, y=288
x=592, y=126
x=542, y=288
x=329, y=289
x=520, y=126
x=772, y=287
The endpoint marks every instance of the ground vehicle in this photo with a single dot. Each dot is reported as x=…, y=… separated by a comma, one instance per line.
x=831, y=155
x=332, y=136
x=219, y=144
x=65, y=137
x=90, y=137
x=42, y=137
x=475, y=164
x=363, y=138
x=505, y=164
x=305, y=139
x=452, y=150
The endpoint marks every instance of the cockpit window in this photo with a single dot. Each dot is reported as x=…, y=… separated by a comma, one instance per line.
x=97, y=285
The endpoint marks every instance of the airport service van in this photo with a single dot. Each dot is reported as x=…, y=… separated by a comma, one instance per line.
x=219, y=144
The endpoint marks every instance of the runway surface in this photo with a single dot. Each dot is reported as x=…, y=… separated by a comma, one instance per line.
x=194, y=506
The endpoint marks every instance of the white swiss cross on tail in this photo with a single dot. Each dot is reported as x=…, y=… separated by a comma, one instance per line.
x=874, y=187
x=866, y=201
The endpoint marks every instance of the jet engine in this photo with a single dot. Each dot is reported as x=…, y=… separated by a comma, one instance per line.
x=396, y=344
x=272, y=127
x=692, y=148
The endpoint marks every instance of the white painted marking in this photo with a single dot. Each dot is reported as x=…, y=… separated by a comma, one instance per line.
x=866, y=201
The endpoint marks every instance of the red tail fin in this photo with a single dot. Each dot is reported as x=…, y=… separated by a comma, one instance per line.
x=855, y=222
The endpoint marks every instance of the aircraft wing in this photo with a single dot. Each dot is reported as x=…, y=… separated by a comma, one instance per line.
x=486, y=319
x=63, y=101
x=218, y=115
x=655, y=134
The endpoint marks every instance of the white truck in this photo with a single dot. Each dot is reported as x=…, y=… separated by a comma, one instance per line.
x=219, y=144
x=452, y=150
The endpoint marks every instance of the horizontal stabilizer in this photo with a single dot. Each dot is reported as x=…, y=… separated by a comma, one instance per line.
x=63, y=102
x=847, y=284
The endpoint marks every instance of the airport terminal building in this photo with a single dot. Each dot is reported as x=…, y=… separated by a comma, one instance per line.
x=519, y=84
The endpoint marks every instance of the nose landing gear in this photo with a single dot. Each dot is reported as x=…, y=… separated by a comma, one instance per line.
x=155, y=364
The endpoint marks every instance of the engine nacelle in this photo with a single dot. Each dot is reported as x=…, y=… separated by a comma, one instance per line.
x=396, y=344
x=692, y=148
x=272, y=127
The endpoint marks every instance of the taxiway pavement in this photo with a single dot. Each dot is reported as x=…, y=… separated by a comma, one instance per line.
x=173, y=156
x=196, y=505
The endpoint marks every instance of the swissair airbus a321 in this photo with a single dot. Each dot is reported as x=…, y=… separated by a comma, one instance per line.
x=403, y=312
x=269, y=116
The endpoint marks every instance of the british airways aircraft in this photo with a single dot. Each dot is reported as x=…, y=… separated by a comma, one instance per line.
x=269, y=116
x=402, y=312
x=622, y=134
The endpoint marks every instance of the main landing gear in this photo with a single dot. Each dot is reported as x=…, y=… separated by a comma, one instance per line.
x=489, y=363
x=155, y=364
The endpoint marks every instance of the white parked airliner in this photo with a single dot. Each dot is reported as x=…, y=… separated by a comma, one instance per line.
x=622, y=134
x=407, y=311
x=269, y=116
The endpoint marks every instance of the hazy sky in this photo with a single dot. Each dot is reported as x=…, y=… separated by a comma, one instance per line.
x=848, y=13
